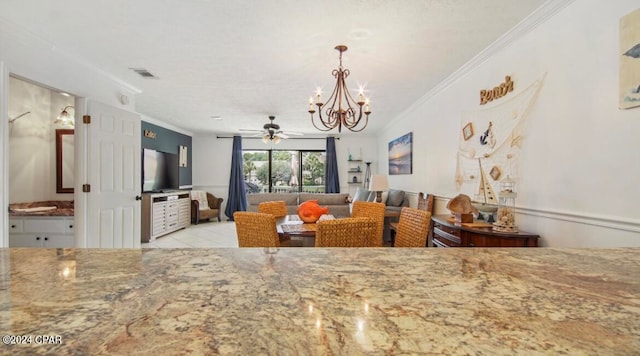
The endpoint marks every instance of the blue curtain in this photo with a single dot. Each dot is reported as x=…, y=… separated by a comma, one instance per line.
x=332, y=182
x=237, y=200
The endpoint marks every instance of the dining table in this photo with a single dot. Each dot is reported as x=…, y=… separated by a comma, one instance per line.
x=293, y=232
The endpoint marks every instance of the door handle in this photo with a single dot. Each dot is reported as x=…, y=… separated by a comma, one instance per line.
x=138, y=197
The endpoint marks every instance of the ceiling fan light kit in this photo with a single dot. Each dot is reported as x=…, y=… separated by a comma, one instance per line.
x=340, y=109
x=271, y=132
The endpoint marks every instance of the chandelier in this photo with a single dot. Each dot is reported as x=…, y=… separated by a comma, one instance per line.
x=340, y=109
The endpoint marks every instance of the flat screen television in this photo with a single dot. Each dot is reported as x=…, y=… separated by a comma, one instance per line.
x=160, y=171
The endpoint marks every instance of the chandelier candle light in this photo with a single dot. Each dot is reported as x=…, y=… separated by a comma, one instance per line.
x=340, y=109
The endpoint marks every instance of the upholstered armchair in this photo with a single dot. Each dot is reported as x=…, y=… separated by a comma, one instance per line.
x=204, y=205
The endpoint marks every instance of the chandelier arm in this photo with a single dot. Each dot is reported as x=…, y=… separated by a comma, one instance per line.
x=363, y=127
x=313, y=121
x=350, y=119
x=330, y=120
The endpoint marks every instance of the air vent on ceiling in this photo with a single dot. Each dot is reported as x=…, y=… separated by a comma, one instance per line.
x=144, y=73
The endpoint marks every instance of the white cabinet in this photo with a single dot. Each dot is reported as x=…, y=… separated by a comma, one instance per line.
x=41, y=231
x=164, y=213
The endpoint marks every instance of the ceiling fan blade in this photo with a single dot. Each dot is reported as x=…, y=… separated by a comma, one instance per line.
x=247, y=130
x=282, y=135
x=293, y=133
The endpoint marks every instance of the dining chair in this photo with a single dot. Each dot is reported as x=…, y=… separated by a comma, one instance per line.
x=256, y=229
x=413, y=228
x=346, y=232
x=373, y=210
x=277, y=208
x=425, y=202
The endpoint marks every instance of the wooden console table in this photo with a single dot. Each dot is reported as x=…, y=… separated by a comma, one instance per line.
x=163, y=213
x=447, y=233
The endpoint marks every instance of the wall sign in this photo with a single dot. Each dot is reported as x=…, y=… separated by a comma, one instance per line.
x=488, y=95
x=149, y=134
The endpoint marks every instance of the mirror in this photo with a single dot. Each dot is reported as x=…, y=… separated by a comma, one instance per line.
x=64, y=160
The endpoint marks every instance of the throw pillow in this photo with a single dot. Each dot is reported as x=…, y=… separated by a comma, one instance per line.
x=385, y=196
x=361, y=195
x=395, y=198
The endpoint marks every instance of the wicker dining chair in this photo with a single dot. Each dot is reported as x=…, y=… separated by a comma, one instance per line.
x=277, y=208
x=373, y=210
x=412, y=228
x=425, y=202
x=256, y=229
x=346, y=232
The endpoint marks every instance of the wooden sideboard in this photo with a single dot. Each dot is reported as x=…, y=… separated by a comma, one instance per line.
x=163, y=213
x=447, y=233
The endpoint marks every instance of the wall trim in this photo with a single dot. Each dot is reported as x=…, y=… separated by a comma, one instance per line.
x=204, y=186
x=608, y=222
x=539, y=16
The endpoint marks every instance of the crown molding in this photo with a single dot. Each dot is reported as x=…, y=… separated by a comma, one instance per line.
x=539, y=16
x=165, y=125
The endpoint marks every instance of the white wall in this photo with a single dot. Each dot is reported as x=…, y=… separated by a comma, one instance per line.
x=212, y=158
x=32, y=142
x=579, y=168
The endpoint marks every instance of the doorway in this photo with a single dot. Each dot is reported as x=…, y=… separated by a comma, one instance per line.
x=40, y=165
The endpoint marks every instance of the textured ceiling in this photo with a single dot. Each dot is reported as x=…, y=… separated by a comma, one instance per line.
x=245, y=60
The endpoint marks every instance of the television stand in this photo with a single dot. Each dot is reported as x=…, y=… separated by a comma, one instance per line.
x=163, y=213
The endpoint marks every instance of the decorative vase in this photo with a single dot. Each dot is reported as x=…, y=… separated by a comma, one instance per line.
x=310, y=211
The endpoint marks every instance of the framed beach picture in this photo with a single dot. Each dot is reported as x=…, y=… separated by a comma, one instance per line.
x=630, y=60
x=401, y=155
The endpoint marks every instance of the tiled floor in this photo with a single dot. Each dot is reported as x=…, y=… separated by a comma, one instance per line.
x=205, y=234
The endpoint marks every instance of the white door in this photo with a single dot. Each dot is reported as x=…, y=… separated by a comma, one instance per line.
x=114, y=172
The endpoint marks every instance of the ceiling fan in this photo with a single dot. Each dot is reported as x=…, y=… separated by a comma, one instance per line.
x=272, y=132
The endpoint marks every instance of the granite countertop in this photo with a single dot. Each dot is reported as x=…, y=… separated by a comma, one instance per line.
x=322, y=301
x=42, y=208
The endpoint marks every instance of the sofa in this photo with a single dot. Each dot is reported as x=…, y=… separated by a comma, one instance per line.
x=393, y=199
x=337, y=203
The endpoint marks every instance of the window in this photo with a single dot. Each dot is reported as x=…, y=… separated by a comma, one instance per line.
x=284, y=171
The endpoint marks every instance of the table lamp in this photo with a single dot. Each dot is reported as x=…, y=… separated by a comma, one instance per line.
x=379, y=183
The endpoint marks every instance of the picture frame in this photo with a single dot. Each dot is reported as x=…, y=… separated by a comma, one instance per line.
x=629, y=67
x=495, y=172
x=65, y=139
x=401, y=155
x=183, y=156
x=467, y=131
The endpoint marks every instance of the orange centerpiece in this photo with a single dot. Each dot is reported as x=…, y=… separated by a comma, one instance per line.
x=310, y=211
